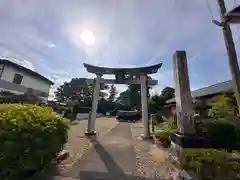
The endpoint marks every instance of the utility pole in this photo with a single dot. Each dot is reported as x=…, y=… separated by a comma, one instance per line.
x=232, y=55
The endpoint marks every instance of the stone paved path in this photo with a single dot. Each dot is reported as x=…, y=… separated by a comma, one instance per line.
x=78, y=144
x=118, y=155
x=111, y=157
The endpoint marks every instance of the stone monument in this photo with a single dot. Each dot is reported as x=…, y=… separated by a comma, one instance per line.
x=185, y=136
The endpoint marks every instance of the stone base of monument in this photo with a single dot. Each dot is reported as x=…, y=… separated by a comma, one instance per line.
x=178, y=143
x=175, y=169
x=195, y=141
x=192, y=141
x=89, y=134
x=178, y=173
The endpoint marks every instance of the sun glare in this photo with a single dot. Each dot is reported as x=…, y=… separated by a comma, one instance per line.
x=88, y=37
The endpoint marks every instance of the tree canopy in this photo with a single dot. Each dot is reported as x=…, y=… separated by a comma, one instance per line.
x=79, y=91
x=132, y=95
x=168, y=93
x=112, y=93
x=157, y=102
x=77, y=87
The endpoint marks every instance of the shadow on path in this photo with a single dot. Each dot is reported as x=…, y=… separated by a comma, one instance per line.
x=112, y=158
x=114, y=171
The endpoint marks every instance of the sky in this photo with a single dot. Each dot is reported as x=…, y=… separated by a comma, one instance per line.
x=46, y=36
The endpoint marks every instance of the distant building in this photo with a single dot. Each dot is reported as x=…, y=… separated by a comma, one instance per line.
x=204, y=94
x=209, y=91
x=18, y=79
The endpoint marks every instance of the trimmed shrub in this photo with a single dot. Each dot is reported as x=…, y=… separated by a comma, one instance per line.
x=212, y=164
x=237, y=126
x=163, y=138
x=159, y=118
x=163, y=132
x=223, y=132
x=68, y=114
x=222, y=108
x=30, y=137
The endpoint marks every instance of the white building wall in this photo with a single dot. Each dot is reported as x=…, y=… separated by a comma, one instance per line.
x=27, y=81
x=8, y=73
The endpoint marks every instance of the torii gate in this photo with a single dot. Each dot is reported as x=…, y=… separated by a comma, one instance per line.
x=122, y=76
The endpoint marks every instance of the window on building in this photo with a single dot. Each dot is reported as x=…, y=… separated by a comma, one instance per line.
x=17, y=78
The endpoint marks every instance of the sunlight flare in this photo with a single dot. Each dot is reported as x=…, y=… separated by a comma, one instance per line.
x=88, y=37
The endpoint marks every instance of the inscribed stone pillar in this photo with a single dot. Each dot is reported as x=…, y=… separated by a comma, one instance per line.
x=184, y=105
x=93, y=114
x=144, y=102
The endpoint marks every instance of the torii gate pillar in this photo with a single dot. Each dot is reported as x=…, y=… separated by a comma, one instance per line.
x=92, y=116
x=144, y=102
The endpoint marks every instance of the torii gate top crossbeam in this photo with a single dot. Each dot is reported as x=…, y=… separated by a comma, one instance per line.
x=128, y=71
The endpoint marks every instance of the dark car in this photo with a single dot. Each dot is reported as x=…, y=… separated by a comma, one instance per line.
x=131, y=116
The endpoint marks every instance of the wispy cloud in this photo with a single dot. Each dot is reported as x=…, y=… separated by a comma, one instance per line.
x=15, y=57
x=45, y=35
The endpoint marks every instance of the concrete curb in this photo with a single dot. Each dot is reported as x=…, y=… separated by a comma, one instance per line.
x=62, y=155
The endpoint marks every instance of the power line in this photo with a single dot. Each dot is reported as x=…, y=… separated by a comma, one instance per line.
x=209, y=9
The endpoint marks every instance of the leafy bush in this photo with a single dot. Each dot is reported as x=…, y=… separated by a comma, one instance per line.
x=200, y=126
x=238, y=136
x=68, y=114
x=163, y=132
x=159, y=118
x=163, y=137
x=209, y=164
x=30, y=137
x=222, y=108
x=222, y=131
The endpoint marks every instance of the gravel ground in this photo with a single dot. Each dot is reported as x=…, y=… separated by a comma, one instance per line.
x=151, y=162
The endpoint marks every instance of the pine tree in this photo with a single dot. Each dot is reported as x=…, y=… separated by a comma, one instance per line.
x=112, y=93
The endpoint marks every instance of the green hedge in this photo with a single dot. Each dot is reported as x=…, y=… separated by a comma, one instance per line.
x=159, y=118
x=30, y=137
x=224, y=131
x=210, y=164
x=163, y=132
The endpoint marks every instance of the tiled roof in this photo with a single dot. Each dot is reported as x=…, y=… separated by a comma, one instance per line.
x=33, y=73
x=209, y=90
